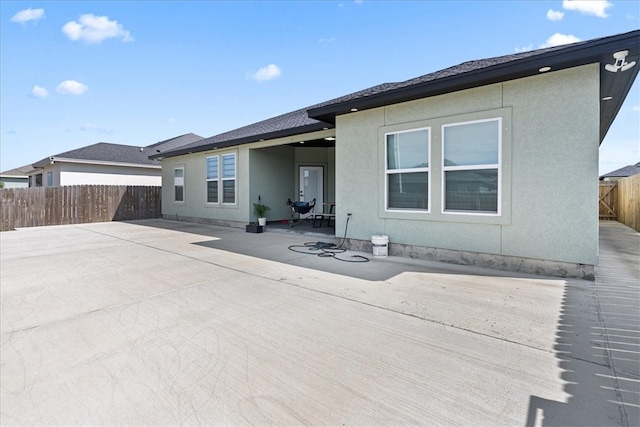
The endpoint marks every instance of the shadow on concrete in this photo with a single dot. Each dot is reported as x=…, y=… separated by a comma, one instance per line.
x=274, y=245
x=598, y=342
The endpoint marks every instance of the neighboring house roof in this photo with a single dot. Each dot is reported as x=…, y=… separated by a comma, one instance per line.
x=118, y=154
x=624, y=172
x=21, y=172
x=101, y=153
x=466, y=75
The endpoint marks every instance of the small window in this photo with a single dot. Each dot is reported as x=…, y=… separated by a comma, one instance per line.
x=39, y=180
x=49, y=179
x=229, y=178
x=178, y=184
x=407, y=170
x=212, y=180
x=471, y=166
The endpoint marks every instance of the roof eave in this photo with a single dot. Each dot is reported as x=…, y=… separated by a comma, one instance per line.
x=52, y=160
x=245, y=140
x=568, y=57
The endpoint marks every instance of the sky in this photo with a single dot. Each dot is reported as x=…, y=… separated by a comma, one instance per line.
x=74, y=73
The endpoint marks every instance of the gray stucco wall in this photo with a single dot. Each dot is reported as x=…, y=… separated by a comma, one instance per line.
x=195, y=189
x=268, y=171
x=549, y=207
x=272, y=175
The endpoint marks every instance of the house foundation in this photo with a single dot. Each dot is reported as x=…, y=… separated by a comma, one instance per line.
x=498, y=262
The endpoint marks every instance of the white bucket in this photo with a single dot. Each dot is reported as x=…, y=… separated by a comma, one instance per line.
x=380, y=245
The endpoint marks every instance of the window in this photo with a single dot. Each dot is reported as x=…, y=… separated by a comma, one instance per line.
x=471, y=167
x=39, y=180
x=407, y=170
x=49, y=179
x=212, y=179
x=221, y=179
x=178, y=184
x=229, y=178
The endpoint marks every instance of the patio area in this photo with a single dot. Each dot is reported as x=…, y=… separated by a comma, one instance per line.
x=165, y=323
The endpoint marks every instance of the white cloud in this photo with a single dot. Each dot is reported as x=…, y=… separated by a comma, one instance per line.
x=28, y=15
x=523, y=48
x=95, y=29
x=327, y=40
x=71, y=87
x=90, y=127
x=559, y=39
x=588, y=7
x=554, y=15
x=269, y=72
x=39, y=92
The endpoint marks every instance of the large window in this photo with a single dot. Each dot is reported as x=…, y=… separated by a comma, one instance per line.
x=471, y=167
x=178, y=184
x=221, y=179
x=407, y=170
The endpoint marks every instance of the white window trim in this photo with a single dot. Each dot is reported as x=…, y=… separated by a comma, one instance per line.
x=497, y=166
x=175, y=184
x=412, y=170
x=207, y=180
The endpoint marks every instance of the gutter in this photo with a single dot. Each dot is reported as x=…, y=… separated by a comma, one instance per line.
x=53, y=160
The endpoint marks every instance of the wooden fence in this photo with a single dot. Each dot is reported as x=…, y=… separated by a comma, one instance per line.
x=32, y=207
x=620, y=200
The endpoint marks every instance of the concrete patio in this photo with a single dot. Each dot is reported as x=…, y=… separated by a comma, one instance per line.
x=158, y=322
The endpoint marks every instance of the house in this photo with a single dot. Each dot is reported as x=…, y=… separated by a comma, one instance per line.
x=453, y=166
x=15, y=178
x=624, y=172
x=105, y=164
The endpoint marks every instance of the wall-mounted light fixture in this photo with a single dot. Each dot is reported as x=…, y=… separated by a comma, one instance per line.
x=620, y=63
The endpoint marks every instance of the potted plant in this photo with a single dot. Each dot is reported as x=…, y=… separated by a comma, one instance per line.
x=260, y=209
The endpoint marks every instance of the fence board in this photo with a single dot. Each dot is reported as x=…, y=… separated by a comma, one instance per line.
x=629, y=201
x=32, y=207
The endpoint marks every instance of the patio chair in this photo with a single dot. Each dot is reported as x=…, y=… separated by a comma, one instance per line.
x=300, y=208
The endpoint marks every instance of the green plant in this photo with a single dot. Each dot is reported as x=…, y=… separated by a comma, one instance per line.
x=260, y=209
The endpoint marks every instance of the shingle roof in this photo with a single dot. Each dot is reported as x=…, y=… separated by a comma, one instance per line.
x=504, y=68
x=104, y=152
x=173, y=143
x=119, y=153
x=459, y=77
x=624, y=172
x=17, y=172
x=293, y=123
